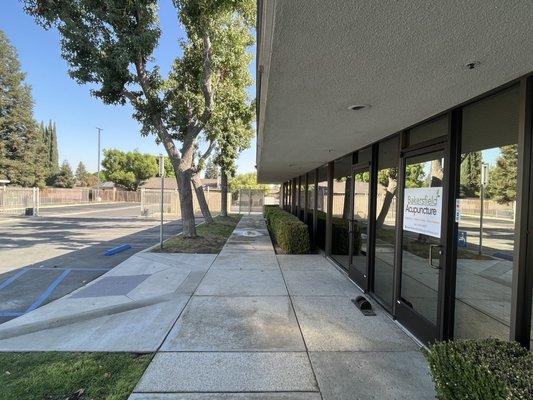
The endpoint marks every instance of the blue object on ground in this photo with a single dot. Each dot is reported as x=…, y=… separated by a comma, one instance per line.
x=48, y=291
x=117, y=249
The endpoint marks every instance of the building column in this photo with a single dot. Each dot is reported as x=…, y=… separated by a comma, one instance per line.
x=522, y=284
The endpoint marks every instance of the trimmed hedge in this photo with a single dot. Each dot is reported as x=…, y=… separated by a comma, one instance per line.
x=290, y=233
x=481, y=369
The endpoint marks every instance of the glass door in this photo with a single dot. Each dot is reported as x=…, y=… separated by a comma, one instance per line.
x=359, y=225
x=421, y=240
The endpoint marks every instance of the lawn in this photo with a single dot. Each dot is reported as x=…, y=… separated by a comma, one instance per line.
x=72, y=376
x=210, y=240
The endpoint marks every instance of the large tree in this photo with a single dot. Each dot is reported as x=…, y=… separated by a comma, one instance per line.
x=81, y=174
x=21, y=144
x=65, y=177
x=471, y=174
x=504, y=175
x=110, y=44
x=211, y=170
x=128, y=169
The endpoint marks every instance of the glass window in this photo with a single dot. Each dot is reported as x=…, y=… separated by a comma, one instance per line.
x=321, y=207
x=486, y=214
x=428, y=131
x=342, y=186
x=301, y=204
x=387, y=189
x=311, y=200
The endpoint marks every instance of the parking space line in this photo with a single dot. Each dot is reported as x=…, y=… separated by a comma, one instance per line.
x=48, y=291
x=12, y=278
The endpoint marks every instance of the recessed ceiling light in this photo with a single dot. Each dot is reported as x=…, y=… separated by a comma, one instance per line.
x=472, y=64
x=357, y=107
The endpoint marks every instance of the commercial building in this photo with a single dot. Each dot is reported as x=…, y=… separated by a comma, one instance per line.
x=402, y=135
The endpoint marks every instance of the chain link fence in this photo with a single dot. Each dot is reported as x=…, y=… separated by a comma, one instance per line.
x=19, y=201
x=28, y=201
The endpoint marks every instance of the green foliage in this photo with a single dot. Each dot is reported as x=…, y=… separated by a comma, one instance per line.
x=169, y=169
x=503, y=177
x=81, y=174
x=246, y=181
x=109, y=45
x=211, y=170
x=50, y=151
x=129, y=169
x=55, y=375
x=65, y=177
x=481, y=369
x=21, y=144
x=290, y=233
x=471, y=174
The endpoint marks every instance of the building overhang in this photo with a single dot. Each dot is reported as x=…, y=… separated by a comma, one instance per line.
x=405, y=61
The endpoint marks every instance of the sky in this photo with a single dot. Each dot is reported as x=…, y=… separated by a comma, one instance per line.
x=75, y=112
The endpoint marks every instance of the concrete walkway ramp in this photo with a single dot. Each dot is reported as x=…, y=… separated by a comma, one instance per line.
x=130, y=308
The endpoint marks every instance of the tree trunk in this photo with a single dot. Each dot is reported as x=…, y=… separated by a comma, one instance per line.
x=200, y=196
x=346, y=205
x=224, y=194
x=186, y=203
x=387, y=201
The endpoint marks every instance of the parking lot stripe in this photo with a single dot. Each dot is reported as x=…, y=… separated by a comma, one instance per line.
x=12, y=278
x=48, y=290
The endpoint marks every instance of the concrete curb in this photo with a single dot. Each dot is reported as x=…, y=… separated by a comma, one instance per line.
x=33, y=327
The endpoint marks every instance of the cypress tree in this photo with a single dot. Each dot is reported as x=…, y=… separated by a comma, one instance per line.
x=471, y=174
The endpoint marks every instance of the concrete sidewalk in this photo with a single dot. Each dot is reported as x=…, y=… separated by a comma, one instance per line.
x=261, y=326
x=244, y=324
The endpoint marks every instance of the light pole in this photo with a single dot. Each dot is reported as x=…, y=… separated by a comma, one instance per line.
x=162, y=175
x=484, y=183
x=98, y=173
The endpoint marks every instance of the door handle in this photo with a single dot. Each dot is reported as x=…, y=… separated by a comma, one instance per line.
x=430, y=258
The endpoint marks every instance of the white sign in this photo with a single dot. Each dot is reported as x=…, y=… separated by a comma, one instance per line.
x=422, y=210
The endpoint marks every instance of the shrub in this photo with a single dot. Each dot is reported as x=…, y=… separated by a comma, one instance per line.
x=481, y=369
x=290, y=233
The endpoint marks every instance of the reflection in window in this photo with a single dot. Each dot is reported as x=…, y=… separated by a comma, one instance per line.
x=487, y=203
x=386, y=220
x=421, y=235
x=311, y=201
x=321, y=207
x=301, y=205
x=342, y=186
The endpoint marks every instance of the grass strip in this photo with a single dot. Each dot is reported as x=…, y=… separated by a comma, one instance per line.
x=73, y=376
x=210, y=237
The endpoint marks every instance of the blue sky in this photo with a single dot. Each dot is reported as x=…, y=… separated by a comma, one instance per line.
x=75, y=111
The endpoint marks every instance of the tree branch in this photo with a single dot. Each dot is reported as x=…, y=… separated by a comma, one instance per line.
x=203, y=157
x=207, y=87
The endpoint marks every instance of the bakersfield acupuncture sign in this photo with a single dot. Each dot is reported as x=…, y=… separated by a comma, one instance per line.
x=422, y=210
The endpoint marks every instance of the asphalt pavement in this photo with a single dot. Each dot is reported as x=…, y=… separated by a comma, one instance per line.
x=46, y=257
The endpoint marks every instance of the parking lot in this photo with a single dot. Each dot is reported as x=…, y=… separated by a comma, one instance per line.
x=46, y=257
